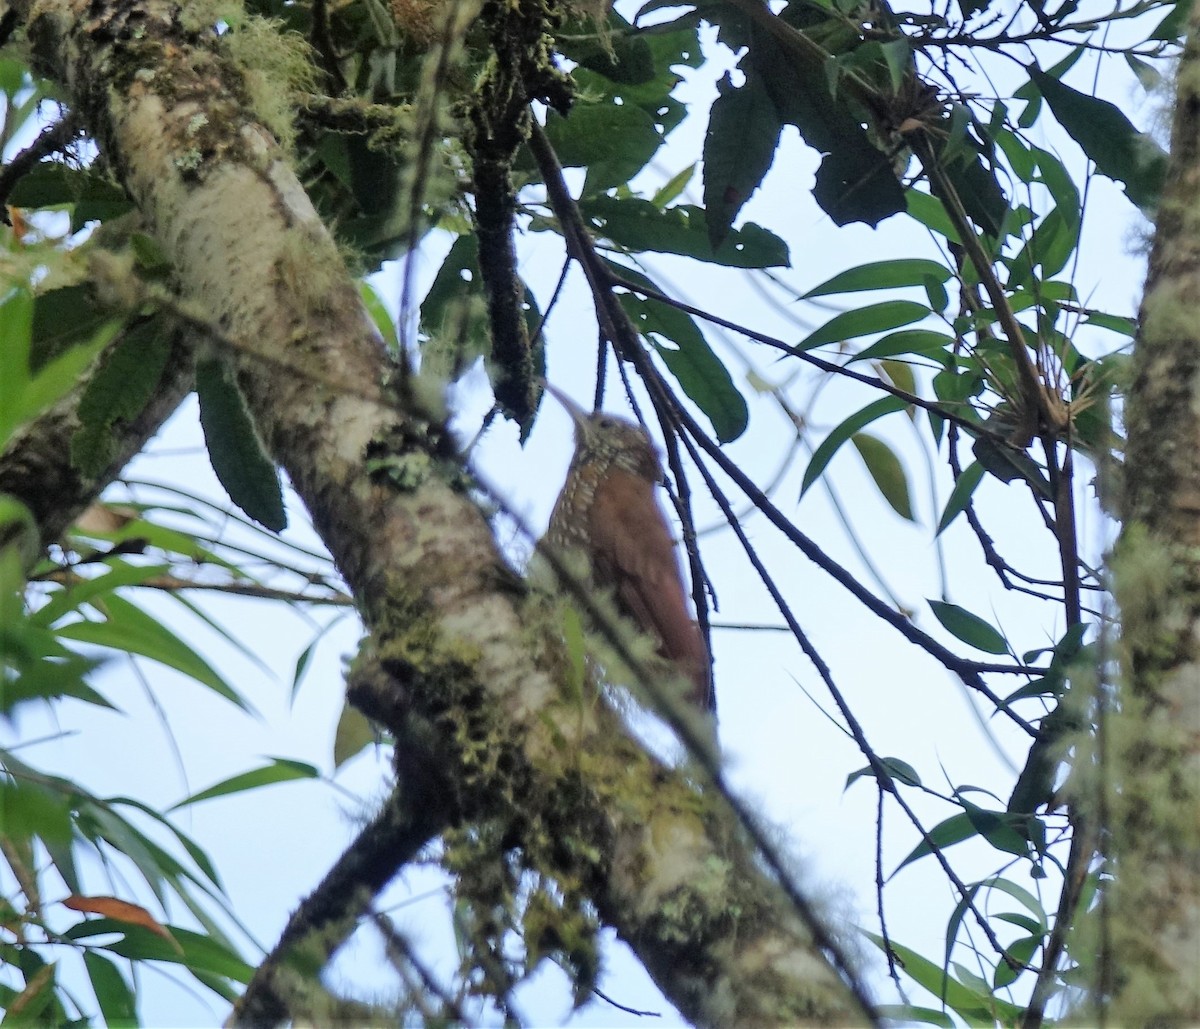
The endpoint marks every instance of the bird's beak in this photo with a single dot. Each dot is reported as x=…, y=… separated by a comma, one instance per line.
x=578, y=415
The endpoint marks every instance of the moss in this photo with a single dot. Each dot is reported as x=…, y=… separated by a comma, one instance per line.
x=313, y=283
x=275, y=64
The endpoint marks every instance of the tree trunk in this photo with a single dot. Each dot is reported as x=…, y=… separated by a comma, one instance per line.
x=1151, y=966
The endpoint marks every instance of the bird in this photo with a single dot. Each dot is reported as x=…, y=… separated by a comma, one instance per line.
x=608, y=511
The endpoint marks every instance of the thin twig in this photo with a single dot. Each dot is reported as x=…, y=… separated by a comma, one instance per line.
x=50, y=140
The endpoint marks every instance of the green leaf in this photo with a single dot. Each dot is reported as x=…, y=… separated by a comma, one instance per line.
x=234, y=450
x=149, y=256
x=118, y=392
x=193, y=950
x=1030, y=93
x=968, y=627
x=886, y=472
x=896, y=769
x=673, y=188
x=614, y=50
x=33, y=809
x=906, y=341
x=890, y=314
x=34, y=1005
x=454, y=321
x=62, y=318
x=1175, y=23
x=113, y=995
x=279, y=770
x=901, y=375
x=882, y=275
x=1109, y=138
x=52, y=185
x=966, y=1002
x=904, y=1014
x=638, y=226
x=739, y=146
x=945, y=834
x=829, y=446
x=127, y=628
x=1030, y=925
x=963, y=490
x=1019, y=952
x=613, y=143
x=699, y=371
x=928, y=210
x=969, y=166
x=354, y=734
x=1115, y=323
x=1022, y=896
x=83, y=591
x=380, y=316
x=23, y=393
x=194, y=850
x=998, y=828
x=16, y=329
x=1007, y=463
x=1051, y=246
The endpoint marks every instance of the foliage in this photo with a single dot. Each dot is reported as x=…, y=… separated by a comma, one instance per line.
x=983, y=343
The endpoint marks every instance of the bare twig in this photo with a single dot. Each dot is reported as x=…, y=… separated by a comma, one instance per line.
x=50, y=140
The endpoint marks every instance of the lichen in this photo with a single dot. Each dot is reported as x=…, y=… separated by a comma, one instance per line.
x=275, y=64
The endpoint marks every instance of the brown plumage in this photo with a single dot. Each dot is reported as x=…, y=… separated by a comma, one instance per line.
x=608, y=511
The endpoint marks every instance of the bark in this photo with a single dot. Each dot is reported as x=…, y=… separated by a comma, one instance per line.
x=664, y=863
x=1151, y=969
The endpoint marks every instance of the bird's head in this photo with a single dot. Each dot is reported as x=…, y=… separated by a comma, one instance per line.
x=610, y=440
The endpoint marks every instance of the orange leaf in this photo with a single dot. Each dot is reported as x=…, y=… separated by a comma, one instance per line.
x=120, y=910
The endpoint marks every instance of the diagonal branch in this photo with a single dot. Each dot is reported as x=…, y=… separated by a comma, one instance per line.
x=669, y=867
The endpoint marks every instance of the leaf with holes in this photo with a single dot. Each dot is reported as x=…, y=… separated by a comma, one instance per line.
x=1108, y=137
x=739, y=146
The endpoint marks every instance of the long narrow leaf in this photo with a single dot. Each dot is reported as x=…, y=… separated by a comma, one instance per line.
x=279, y=770
x=130, y=629
x=829, y=446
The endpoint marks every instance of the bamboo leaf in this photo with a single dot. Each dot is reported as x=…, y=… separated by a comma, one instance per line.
x=890, y=314
x=279, y=770
x=882, y=275
x=968, y=627
x=829, y=446
x=886, y=472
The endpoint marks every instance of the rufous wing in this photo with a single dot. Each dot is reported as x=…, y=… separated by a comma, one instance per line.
x=634, y=554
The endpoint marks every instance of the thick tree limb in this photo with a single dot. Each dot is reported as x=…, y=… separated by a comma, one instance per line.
x=665, y=865
x=1152, y=969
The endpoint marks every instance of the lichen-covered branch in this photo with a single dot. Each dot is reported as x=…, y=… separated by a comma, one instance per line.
x=1151, y=969
x=471, y=659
